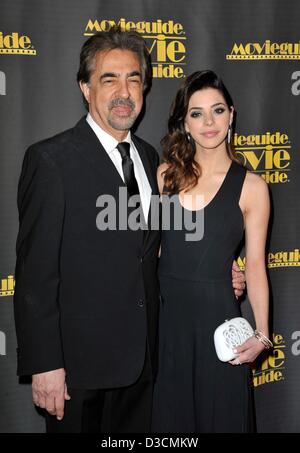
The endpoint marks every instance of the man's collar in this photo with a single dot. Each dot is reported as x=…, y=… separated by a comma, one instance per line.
x=108, y=142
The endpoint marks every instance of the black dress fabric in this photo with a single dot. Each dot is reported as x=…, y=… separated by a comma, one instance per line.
x=194, y=391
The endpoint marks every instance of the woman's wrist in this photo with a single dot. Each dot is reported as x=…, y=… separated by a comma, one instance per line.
x=260, y=336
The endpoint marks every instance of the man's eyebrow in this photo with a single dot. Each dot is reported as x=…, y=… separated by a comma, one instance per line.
x=113, y=74
x=108, y=74
x=134, y=73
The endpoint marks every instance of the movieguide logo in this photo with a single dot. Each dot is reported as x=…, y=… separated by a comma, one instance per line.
x=266, y=154
x=272, y=368
x=282, y=258
x=165, y=41
x=14, y=44
x=265, y=51
x=7, y=286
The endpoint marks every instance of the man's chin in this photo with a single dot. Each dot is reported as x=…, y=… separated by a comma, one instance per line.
x=122, y=123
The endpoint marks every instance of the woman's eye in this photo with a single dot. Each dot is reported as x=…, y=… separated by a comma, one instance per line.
x=220, y=110
x=195, y=114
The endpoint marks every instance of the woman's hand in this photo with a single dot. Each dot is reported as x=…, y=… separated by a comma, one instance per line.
x=238, y=280
x=247, y=352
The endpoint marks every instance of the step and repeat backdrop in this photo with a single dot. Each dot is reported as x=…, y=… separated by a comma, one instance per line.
x=255, y=47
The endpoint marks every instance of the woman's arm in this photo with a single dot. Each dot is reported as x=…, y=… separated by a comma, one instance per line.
x=256, y=226
x=255, y=204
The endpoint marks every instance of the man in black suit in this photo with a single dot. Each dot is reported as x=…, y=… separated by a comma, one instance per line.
x=86, y=301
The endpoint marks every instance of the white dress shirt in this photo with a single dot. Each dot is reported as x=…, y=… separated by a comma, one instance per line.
x=109, y=143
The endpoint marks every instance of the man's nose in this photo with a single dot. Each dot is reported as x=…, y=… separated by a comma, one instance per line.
x=124, y=89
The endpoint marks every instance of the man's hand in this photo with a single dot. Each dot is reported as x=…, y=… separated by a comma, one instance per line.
x=238, y=280
x=49, y=391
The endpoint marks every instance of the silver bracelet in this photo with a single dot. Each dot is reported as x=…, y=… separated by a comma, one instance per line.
x=263, y=339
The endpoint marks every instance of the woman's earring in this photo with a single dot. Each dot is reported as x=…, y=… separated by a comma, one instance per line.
x=188, y=136
x=229, y=134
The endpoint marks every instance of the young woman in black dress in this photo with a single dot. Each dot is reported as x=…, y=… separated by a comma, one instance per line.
x=195, y=391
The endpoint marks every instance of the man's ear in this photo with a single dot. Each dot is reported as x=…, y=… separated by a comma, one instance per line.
x=85, y=88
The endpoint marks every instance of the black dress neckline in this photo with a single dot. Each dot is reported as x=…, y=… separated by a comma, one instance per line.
x=214, y=197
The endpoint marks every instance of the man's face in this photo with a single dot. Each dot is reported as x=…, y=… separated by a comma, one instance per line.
x=115, y=91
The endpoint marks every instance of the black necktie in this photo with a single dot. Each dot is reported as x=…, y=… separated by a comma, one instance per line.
x=128, y=169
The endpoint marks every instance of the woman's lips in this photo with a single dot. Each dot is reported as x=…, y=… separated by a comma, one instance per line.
x=210, y=134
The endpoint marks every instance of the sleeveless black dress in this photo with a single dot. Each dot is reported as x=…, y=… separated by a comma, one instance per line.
x=194, y=391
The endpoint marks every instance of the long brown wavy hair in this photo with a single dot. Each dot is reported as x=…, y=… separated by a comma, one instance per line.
x=179, y=147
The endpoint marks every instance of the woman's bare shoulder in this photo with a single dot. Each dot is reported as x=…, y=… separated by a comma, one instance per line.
x=255, y=191
x=255, y=183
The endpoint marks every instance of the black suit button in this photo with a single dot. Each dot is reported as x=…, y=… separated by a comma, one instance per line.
x=140, y=303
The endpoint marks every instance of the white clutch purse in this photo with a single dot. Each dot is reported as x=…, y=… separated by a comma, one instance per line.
x=229, y=335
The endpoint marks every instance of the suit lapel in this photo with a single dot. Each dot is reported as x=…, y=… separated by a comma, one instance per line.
x=151, y=175
x=88, y=144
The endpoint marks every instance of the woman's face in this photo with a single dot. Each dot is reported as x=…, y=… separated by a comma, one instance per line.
x=208, y=118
